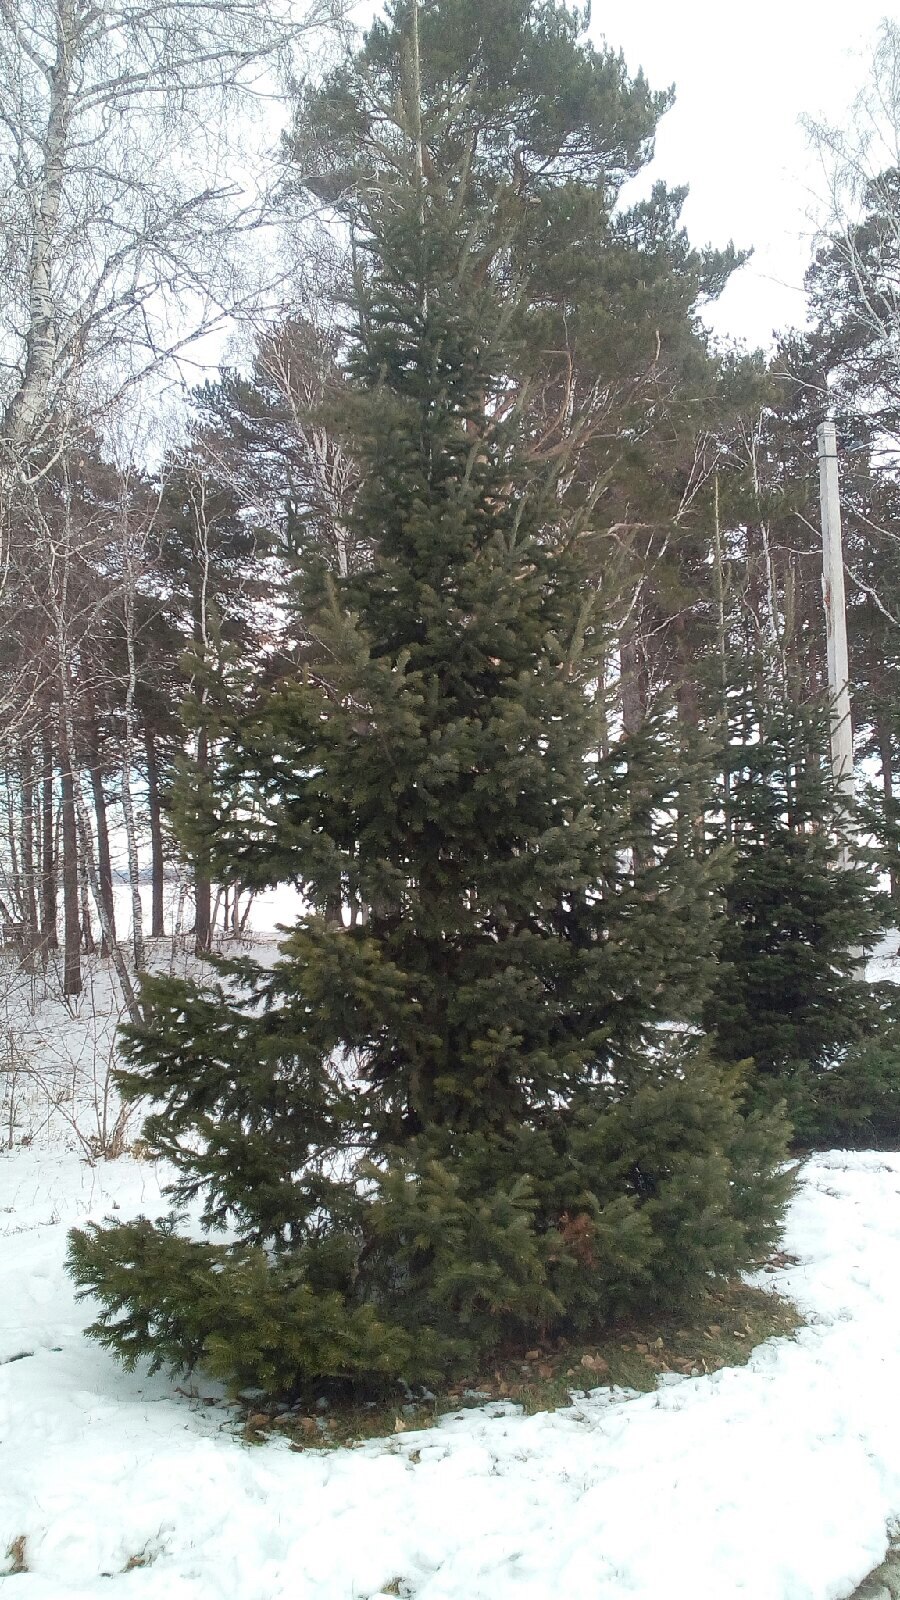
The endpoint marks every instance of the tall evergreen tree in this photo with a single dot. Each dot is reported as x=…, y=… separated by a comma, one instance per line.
x=448, y=1117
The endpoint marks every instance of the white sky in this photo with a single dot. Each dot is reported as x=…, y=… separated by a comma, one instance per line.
x=744, y=71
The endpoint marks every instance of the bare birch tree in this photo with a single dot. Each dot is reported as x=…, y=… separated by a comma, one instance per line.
x=126, y=183
x=855, y=277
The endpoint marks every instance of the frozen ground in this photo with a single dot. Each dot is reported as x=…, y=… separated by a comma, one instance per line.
x=777, y=1481
x=774, y=1482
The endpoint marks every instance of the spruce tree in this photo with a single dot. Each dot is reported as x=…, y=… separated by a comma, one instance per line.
x=790, y=990
x=449, y=1116
x=800, y=906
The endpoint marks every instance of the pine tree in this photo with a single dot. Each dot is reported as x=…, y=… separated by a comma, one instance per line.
x=448, y=1117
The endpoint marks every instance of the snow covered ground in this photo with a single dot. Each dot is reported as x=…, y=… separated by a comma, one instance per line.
x=776, y=1481
x=57, y=1055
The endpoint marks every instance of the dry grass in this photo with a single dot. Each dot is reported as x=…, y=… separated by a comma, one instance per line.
x=16, y=1558
x=720, y=1330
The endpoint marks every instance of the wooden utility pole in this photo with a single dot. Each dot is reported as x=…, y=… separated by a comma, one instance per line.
x=835, y=616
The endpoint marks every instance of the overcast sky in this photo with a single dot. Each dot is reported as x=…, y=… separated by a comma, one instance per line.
x=744, y=71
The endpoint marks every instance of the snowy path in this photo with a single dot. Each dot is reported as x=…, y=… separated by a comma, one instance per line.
x=771, y=1482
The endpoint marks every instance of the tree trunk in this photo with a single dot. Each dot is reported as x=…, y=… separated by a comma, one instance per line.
x=134, y=870
x=691, y=816
x=722, y=653
x=28, y=403
x=83, y=818
x=15, y=876
x=334, y=910
x=104, y=862
x=202, y=880
x=887, y=784
x=49, y=938
x=28, y=873
x=71, y=910
x=633, y=697
x=601, y=709
x=632, y=690
x=87, y=927
x=157, y=927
